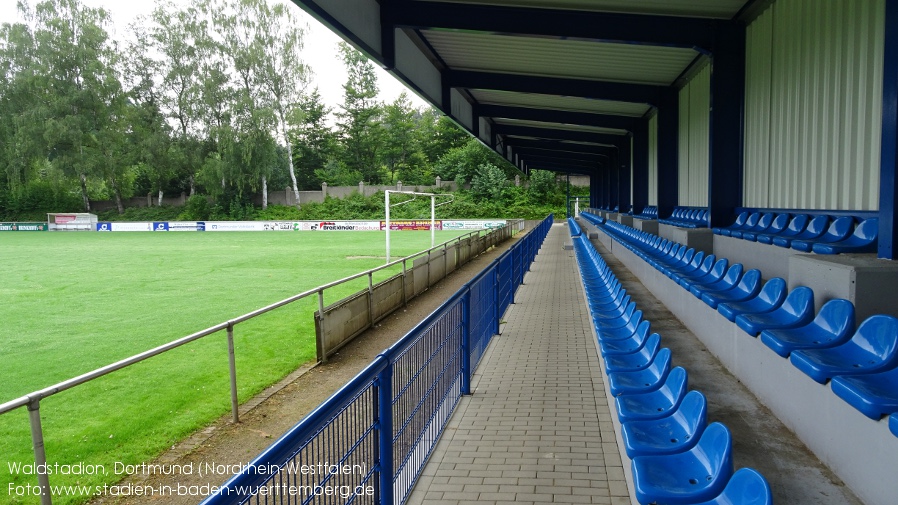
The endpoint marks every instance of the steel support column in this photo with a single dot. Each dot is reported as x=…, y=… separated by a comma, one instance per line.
x=668, y=164
x=725, y=178
x=888, y=182
x=641, y=166
x=624, y=167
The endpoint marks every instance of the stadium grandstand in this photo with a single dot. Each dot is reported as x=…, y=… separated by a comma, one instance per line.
x=718, y=326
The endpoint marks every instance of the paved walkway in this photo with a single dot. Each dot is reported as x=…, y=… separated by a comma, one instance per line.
x=537, y=428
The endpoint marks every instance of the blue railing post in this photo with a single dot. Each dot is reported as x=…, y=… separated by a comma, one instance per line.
x=466, y=371
x=496, y=298
x=385, y=436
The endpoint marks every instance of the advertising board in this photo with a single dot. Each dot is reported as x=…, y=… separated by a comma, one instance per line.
x=481, y=224
x=23, y=227
x=340, y=226
x=416, y=225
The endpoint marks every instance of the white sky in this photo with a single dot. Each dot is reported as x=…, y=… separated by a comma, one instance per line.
x=320, y=52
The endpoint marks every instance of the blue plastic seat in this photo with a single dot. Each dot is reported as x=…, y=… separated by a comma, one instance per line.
x=873, y=394
x=625, y=330
x=797, y=310
x=696, y=262
x=749, y=222
x=762, y=224
x=863, y=240
x=893, y=424
x=674, y=433
x=614, y=313
x=728, y=281
x=834, y=325
x=769, y=298
x=838, y=231
x=703, y=269
x=796, y=226
x=630, y=345
x=777, y=225
x=873, y=348
x=699, y=474
x=654, y=404
x=636, y=360
x=815, y=228
x=711, y=276
x=749, y=287
x=746, y=487
x=641, y=381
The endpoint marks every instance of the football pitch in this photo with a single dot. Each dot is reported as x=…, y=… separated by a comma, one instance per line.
x=74, y=302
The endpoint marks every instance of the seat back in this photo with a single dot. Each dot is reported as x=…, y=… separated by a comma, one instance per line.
x=750, y=283
x=839, y=229
x=779, y=223
x=707, y=265
x=763, y=222
x=715, y=449
x=799, y=301
x=752, y=221
x=719, y=268
x=740, y=220
x=798, y=224
x=674, y=388
x=693, y=412
x=773, y=291
x=868, y=230
x=733, y=274
x=817, y=226
x=878, y=335
x=836, y=317
x=746, y=487
x=697, y=259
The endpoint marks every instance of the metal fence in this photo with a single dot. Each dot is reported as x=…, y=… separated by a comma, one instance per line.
x=368, y=443
x=347, y=417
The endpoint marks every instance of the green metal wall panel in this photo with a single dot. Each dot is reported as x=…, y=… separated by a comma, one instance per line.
x=813, y=105
x=694, y=136
x=653, y=160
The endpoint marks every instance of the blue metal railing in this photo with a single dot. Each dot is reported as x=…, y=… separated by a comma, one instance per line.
x=368, y=443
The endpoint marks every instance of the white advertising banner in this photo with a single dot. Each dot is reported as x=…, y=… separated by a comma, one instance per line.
x=237, y=226
x=124, y=226
x=474, y=224
x=340, y=225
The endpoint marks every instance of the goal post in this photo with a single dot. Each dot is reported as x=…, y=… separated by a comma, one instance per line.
x=433, y=206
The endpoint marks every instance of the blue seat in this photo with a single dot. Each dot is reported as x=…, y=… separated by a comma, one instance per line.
x=815, y=228
x=746, y=487
x=696, y=262
x=749, y=222
x=654, y=404
x=641, y=381
x=615, y=312
x=729, y=281
x=838, y=231
x=674, y=433
x=893, y=424
x=777, y=225
x=873, y=394
x=762, y=224
x=636, y=360
x=863, y=240
x=873, y=348
x=797, y=310
x=796, y=226
x=624, y=331
x=630, y=345
x=699, y=474
x=749, y=287
x=711, y=276
x=834, y=325
x=703, y=269
x=769, y=298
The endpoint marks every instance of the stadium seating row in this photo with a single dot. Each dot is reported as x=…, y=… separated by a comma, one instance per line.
x=676, y=456
x=650, y=212
x=862, y=363
x=820, y=234
x=685, y=217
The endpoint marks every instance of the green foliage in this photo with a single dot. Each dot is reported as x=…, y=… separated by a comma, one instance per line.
x=460, y=163
x=163, y=213
x=197, y=208
x=488, y=182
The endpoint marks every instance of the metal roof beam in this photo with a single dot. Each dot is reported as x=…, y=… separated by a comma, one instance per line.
x=549, y=133
x=535, y=151
x=559, y=116
x=672, y=31
x=602, y=90
x=559, y=146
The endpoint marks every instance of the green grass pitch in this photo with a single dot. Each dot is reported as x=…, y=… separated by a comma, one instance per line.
x=73, y=302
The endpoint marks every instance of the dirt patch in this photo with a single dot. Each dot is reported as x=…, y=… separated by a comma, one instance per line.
x=280, y=407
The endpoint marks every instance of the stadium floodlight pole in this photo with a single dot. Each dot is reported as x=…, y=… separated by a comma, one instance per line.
x=433, y=207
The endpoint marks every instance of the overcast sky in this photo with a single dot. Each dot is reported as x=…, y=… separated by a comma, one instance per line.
x=320, y=52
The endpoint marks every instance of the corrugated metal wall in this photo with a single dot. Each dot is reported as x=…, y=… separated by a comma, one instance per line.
x=653, y=160
x=813, y=105
x=694, y=135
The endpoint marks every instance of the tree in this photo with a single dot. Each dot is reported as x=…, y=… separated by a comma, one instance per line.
x=357, y=121
x=488, y=182
x=437, y=134
x=401, y=152
x=542, y=183
x=315, y=143
x=460, y=163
